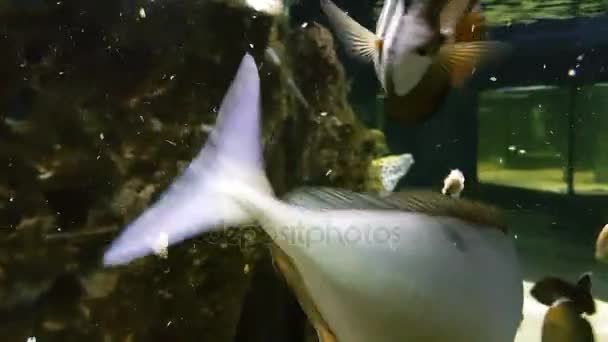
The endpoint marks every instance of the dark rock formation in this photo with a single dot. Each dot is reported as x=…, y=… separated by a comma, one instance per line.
x=101, y=108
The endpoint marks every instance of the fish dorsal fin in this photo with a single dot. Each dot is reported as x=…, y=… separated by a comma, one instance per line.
x=359, y=41
x=460, y=60
x=424, y=202
x=436, y=204
x=451, y=14
x=584, y=282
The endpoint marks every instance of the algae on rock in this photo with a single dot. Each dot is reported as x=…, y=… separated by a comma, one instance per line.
x=101, y=109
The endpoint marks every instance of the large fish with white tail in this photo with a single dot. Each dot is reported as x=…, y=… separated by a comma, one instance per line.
x=407, y=266
x=421, y=49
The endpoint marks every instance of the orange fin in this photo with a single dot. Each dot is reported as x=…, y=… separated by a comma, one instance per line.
x=325, y=335
x=422, y=101
x=472, y=27
x=294, y=280
x=460, y=60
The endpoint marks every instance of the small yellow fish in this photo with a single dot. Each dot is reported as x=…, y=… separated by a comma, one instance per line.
x=419, y=50
x=601, y=245
x=567, y=302
x=384, y=173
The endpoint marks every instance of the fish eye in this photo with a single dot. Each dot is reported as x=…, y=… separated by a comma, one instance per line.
x=422, y=51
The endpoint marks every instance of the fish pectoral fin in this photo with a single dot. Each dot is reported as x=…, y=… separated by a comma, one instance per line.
x=359, y=41
x=461, y=59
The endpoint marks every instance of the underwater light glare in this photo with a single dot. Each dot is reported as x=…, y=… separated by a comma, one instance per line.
x=272, y=7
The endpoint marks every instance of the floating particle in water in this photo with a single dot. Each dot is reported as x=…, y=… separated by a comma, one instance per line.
x=580, y=57
x=171, y=142
x=512, y=148
x=31, y=339
x=544, y=66
x=251, y=46
x=453, y=184
x=522, y=152
x=328, y=172
x=142, y=13
x=11, y=199
x=323, y=113
x=493, y=79
x=172, y=77
x=101, y=136
x=161, y=245
x=571, y=72
x=304, y=25
x=246, y=269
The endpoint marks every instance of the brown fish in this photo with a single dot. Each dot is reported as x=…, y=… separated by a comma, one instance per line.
x=419, y=51
x=567, y=302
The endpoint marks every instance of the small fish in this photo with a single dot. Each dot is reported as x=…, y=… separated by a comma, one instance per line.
x=453, y=184
x=567, y=302
x=601, y=245
x=409, y=266
x=419, y=50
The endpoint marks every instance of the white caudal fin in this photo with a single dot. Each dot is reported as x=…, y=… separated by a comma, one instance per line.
x=194, y=204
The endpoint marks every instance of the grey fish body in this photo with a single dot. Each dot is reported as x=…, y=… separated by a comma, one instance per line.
x=360, y=271
x=409, y=266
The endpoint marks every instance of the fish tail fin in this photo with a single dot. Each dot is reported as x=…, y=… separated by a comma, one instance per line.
x=359, y=41
x=195, y=202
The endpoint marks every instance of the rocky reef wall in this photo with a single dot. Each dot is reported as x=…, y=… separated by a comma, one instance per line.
x=101, y=105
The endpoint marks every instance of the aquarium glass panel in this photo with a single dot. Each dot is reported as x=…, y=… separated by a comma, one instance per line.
x=500, y=12
x=591, y=141
x=523, y=138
